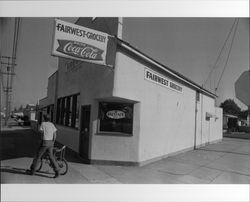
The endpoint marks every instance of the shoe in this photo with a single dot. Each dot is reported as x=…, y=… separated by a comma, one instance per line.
x=30, y=172
x=56, y=174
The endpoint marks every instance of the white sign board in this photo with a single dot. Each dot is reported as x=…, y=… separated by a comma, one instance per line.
x=79, y=43
x=162, y=80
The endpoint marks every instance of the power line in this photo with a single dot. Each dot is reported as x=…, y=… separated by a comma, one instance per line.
x=10, y=70
x=14, y=50
x=8, y=89
x=1, y=75
x=14, y=54
x=219, y=55
x=229, y=53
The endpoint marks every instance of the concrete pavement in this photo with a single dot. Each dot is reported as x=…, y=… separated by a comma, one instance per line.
x=225, y=162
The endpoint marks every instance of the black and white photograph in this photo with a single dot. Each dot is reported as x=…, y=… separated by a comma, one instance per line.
x=124, y=100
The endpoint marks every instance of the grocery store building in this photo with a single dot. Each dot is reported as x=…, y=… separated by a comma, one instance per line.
x=131, y=112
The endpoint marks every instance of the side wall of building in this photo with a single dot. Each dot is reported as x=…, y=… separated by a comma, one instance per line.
x=217, y=129
x=167, y=117
x=92, y=82
x=51, y=90
x=208, y=129
x=115, y=147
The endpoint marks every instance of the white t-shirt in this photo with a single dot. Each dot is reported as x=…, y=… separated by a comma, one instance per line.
x=48, y=129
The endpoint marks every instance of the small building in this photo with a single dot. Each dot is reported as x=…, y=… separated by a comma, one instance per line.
x=30, y=112
x=230, y=122
x=133, y=113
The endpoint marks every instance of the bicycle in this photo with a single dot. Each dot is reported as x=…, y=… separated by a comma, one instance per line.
x=59, y=154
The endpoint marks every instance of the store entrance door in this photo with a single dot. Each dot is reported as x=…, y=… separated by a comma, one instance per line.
x=84, y=132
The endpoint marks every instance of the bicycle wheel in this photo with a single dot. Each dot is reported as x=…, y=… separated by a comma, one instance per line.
x=63, y=165
x=40, y=165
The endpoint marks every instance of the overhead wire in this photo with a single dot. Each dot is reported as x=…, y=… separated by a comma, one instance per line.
x=228, y=56
x=15, y=43
x=1, y=74
x=221, y=50
x=13, y=58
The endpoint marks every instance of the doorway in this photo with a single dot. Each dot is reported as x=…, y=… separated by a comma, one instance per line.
x=84, y=132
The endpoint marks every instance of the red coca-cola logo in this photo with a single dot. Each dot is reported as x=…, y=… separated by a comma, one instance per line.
x=80, y=50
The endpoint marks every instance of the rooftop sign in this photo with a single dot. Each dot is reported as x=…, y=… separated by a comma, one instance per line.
x=162, y=81
x=79, y=43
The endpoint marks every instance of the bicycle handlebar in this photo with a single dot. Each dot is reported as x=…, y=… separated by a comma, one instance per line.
x=56, y=149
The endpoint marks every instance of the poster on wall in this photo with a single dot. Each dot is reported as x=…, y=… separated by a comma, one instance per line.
x=79, y=43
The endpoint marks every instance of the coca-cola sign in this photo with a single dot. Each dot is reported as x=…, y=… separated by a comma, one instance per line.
x=80, y=50
x=79, y=43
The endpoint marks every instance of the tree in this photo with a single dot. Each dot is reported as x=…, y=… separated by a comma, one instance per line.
x=21, y=108
x=230, y=107
x=15, y=109
x=243, y=114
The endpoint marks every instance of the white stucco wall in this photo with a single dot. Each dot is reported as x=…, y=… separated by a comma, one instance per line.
x=216, y=125
x=68, y=137
x=92, y=82
x=167, y=118
x=208, y=130
x=163, y=122
x=115, y=147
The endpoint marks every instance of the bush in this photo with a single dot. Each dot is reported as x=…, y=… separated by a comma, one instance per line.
x=245, y=129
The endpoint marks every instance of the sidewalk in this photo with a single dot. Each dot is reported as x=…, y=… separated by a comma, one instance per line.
x=225, y=162
x=240, y=135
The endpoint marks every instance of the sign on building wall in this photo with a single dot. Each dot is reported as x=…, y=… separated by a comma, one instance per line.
x=79, y=43
x=162, y=80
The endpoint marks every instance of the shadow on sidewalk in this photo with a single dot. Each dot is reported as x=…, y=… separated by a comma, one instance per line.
x=22, y=171
x=25, y=143
x=18, y=143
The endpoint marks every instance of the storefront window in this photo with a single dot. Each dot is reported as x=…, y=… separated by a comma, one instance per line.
x=116, y=117
x=77, y=111
x=52, y=113
x=68, y=111
x=63, y=111
x=58, y=114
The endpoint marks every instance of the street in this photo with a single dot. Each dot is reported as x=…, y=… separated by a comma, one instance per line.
x=225, y=162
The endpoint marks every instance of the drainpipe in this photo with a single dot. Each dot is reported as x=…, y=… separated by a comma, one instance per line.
x=201, y=117
x=55, y=98
x=195, y=122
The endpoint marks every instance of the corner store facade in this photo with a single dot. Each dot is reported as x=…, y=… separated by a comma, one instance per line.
x=132, y=114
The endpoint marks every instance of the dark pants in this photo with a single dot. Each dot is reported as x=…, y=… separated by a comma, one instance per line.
x=47, y=145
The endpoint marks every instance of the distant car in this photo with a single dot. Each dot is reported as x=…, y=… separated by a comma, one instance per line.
x=20, y=121
x=14, y=116
x=2, y=115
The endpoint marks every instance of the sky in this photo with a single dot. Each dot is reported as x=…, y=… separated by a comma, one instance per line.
x=189, y=46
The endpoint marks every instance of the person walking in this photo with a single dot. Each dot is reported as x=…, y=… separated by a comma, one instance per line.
x=48, y=131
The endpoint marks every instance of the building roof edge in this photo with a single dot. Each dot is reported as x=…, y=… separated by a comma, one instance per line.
x=142, y=55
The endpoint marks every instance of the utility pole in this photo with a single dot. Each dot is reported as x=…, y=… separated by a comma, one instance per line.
x=9, y=62
x=8, y=73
